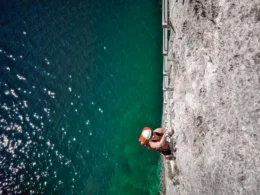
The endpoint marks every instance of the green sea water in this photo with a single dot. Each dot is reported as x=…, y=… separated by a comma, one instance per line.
x=78, y=82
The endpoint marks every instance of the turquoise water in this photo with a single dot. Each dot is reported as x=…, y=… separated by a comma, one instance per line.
x=78, y=82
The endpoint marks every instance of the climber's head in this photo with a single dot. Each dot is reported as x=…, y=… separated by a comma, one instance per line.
x=145, y=135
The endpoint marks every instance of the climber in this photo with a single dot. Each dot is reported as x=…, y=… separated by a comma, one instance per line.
x=157, y=140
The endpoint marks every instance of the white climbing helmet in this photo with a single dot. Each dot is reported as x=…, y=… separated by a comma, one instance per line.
x=147, y=134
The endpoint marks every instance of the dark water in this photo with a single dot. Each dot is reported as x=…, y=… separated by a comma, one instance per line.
x=78, y=81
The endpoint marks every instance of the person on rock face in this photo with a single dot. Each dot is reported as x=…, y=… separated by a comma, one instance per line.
x=156, y=140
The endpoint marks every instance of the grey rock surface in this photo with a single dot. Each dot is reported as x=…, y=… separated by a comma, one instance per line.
x=215, y=105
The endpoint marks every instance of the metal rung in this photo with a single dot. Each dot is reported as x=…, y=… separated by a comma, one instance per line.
x=165, y=65
x=165, y=13
x=165, y=97
x=165, y=41
x=165, y=81
x=166, y=85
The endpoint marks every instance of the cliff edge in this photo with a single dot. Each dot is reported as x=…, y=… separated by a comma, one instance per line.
x=214, y=68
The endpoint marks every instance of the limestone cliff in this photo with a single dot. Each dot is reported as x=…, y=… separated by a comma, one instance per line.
x=215, y=105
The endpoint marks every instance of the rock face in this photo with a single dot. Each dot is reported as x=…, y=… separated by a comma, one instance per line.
x=215, y=105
